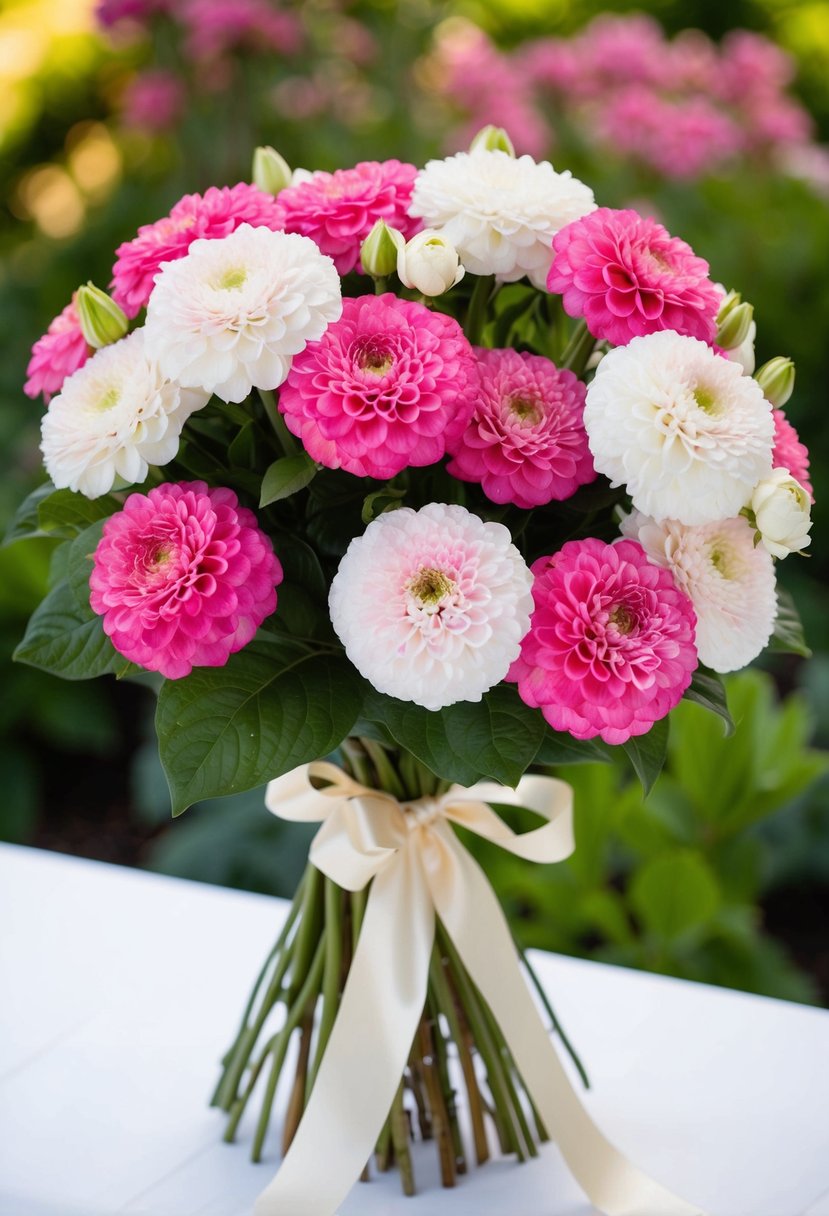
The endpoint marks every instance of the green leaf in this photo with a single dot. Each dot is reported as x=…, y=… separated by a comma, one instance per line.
x=273, y=707
x=788, y=633
x=647, y=753
x=386, y=499
x=79, y=561
x=285, y=477
x=68, y=639
x=707, y=689
x=495, y=738
x=242, y=449
x=674, y=894
x=557, y=747
x=65, y=513
x=25, y=521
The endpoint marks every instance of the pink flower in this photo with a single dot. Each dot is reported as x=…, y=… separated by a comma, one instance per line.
x=183, y=578
x=338, y=210
x=388, y=386
x=216, y=213
x=611, y=643
x=61, y=351
x=628, y=277
x=525, y=442
x=216, y=28
x=789, y=453
x=153, y=101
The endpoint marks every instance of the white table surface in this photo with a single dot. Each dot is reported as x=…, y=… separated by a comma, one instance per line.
x=120, y=990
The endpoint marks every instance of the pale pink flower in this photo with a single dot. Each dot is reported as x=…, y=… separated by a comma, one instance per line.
x=387, y=387
x=216, y=213
x=610, y=648
x=627, y=276
x=525, y=442
x=153, y=101
x=338, y=210
x=431, y=605
x=789, y=452
x=59, y=353
x=183, y=577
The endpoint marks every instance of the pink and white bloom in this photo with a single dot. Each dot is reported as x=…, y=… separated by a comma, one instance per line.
x=610, y=648
x=431, y=605
x=525, y=442
x=230, y=315
x=627, y=276
x=686, y=432
x=338, y=210
x=389, y=386
x=59, y=353
x=729, y=579
x=113, y=418
x=789, y=453
x=183, y=577
x=500, y=212
x=215, y=214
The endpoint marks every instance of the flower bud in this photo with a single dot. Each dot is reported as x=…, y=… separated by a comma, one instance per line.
x=102, y=321
x=429, y=263
x=782, y=512
x=493, y=139
x=271, y=172
x=776, y=379
x=733, y=327
x=378, y=254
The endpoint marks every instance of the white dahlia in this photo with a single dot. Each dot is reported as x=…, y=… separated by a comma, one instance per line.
x=230, y=315
x=113, y=418
x=686, y=432
x=500, y=213
x=431, y=605
x=728, y=579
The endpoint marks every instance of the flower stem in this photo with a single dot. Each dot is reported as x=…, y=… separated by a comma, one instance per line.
x=459, y=1030
x=331, y=974
x=578, y=350
x=400, y=1140
x=287, y=441
x=476, y=313
x=556, y=1025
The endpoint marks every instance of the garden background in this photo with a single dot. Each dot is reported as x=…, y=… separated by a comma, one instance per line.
x=108, y=117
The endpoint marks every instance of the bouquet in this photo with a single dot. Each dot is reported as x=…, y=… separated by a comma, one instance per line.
x=411, y=486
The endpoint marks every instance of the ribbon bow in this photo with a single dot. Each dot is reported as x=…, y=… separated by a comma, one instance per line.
x=420, y=868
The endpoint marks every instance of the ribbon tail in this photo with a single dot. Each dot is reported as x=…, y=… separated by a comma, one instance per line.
x=368, y=1048
x=473, y=918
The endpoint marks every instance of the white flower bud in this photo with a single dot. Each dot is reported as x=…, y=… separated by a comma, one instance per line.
x=102, y=321
x=494, y=139
x=378, y=253
x=782, y=512
x=776, y=379
x=271, y=172
x=744, y=352
x=429, y=263
x=734, y=327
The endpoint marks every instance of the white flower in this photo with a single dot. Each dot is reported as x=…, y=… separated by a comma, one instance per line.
x=728, y=579
x=431, y=605
x=113, y=418
x=501, y=213
x=686, y=432
x=744, y=353
x=428, y=263
x=230, y=315
x=782, y=509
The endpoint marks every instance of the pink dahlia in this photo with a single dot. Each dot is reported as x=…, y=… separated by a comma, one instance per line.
x=525, y=442
x=59, y=353
x=338, y=210
x=389, y=386
x=627, y=277
x=216, y=213
x=789, y=453
x=611, y=643
x=183, y=577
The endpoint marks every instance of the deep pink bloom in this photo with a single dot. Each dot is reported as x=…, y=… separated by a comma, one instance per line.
x=218, y=27
x=389, y=386
x=338, y=210
x=153, y=101
x=216, y=213
x=138, y=12
x=59, y=353
x=789, y=452
x=525, y=442
x=183, y=577
x=610, y=648
x=627, y=277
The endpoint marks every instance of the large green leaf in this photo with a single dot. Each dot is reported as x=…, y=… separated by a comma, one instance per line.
x=647, y=753
x=675, y=893
x=64, y=513
x=273, y=707
x=557, y=747
x=788, y=633
x=496, y=738
x=707, y=689
x=68, y=639
x=25, y=521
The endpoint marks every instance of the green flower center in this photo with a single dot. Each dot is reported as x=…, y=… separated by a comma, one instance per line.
x=430, y=586
x=525, y=409
x=706, y=400
x=622, y=617
x=233, y=279
x=110, y=398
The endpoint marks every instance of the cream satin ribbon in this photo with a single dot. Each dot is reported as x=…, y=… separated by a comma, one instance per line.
x=419, y=868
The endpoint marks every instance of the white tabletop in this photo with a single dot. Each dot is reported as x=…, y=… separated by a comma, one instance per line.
x=121, y=989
